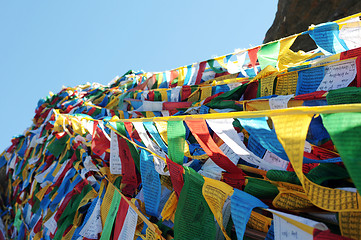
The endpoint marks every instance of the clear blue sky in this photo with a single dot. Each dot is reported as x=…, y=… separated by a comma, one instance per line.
x=47, y=44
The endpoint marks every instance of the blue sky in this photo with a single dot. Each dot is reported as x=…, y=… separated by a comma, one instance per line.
x=47, y=44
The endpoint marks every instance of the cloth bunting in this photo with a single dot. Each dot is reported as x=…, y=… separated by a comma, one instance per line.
x=252, y=54
x=326, y=36
x=350, y=34
x=231, y=147
x=241, y=206
x=225, y=130
x=100, y=139
x=268, y=54
x=344, y=129
x=126, y=220
x=151, y=184
x=193, y=216
x=176, y=138
x=176, y=175
x=111, y=213
x=200, y=131
x=258, y=127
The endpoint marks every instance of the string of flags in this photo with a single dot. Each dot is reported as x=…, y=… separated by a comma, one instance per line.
x=262, y=143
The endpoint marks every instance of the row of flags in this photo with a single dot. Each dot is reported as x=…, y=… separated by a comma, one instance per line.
x=262, y=143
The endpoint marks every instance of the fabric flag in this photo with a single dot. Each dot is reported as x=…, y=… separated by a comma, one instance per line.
x=216, y=193
x=327, y=235
x=288, y=226
x=211, y=170
x=120, y=218
x=176, y=137
x=351, y=34
x=159, y=163
x=225, y=130
x=202, y=67
x=115, y=161
x=125, y=227
x=129, y=225
x=326, y=37
x=242, y=205
x=291, y=131
x=309, y=80
x=150, y=106
x=129, y=175
x=338, y=75
x=92, y=223
x=285, y=53
x=100, y=139
x=235, y=67
x=199, y=130
x=345, y=132
x=193, y=217
x=259, y=129
x=252, y=54
x=176, y=175
x=349, y=224
x=268, y=54
x=155, y=135
x=151, y=183
x=111, y=215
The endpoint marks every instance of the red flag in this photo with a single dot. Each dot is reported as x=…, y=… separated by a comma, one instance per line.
x=120, y=218
x=252, y=54
x=202, y=67
x=100, y=143
x=327, y=235
x=200, y=131
x=176, y=176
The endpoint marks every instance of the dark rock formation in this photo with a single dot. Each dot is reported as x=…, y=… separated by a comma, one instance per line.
x=294, y=16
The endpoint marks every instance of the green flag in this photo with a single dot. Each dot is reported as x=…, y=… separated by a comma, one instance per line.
x=193, y=217
x=345, y=132
x=268, y=54
x=176, y=138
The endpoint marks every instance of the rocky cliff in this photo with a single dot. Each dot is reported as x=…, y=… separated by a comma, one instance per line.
x=297, y=15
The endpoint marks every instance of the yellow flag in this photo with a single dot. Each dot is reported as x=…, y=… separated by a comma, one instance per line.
x=42, y=191
x=194, y=96
x=350, y=224
x=266, y=72
x=181, y=76
x=291, y=58
x=151, y=235
x=283, y=56
x=107, y=201
x=169, y=207
x=259, y=222
x=286, y=83
x=163, y=93
x=205, y=92
x=113, y=104
x=285, y=44
x=77, y=126
x=162, y=130
x=215, y=193
x=260, y=105
x=220, y=60
x=291, y=132
x=160, y=78
x=291, y=200
x=267, y=84
x=149, y=114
